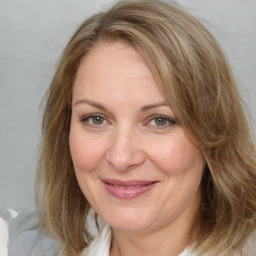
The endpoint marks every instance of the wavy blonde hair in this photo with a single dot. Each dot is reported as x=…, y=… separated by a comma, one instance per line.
x=198, y=84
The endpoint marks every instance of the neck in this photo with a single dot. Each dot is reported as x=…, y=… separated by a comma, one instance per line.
x=137, y=245
x=169, y=240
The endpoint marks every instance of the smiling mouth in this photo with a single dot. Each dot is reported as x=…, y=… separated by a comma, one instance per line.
x=127, y=189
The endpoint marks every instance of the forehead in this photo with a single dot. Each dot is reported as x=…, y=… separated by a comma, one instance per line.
x=112, y=58
x=114, y=68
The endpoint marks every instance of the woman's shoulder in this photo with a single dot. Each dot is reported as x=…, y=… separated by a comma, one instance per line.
x=23, y=236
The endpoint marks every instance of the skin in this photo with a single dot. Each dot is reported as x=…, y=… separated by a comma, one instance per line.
x=125, y=140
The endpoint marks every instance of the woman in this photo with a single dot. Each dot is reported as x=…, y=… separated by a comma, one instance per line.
x=144, y=125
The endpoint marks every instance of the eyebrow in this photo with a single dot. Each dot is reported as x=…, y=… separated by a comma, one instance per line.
x=90, y=102
x=148, y=107
x=100, y=106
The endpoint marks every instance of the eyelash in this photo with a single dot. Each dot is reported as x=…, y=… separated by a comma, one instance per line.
x=169, y=121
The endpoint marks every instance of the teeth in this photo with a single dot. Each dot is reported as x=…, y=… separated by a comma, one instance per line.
x=126, y=187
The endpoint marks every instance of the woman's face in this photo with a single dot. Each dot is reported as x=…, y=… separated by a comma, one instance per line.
x=132, y=159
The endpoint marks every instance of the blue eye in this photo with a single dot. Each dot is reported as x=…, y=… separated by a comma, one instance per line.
x=94, y=119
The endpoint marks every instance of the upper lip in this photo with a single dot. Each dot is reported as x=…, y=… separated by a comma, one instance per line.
x=128, y=183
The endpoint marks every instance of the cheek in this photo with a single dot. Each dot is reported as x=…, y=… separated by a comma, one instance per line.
x=176, y=156
x=86, y=152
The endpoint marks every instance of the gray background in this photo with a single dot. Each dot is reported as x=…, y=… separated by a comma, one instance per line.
x=32, y=35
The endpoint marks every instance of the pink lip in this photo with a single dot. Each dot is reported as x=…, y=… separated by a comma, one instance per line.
x=127, y=189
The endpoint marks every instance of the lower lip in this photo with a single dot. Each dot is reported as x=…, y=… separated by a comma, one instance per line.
x=127, y=192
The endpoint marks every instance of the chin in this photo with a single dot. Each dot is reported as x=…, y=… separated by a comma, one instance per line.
x=132, y=221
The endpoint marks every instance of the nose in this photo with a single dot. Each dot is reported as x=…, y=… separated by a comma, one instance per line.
x=124, y=152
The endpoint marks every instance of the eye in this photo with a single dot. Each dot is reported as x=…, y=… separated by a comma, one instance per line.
x=94, y=120
x=161, y=121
